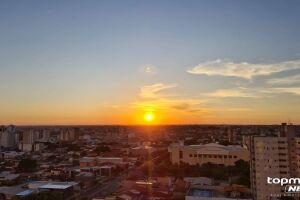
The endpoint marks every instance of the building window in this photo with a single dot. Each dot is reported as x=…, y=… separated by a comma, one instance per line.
x=180, y=154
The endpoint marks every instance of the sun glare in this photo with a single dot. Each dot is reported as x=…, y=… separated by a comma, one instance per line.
x=149, y=117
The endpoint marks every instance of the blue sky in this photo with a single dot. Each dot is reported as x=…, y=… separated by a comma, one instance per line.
x=82, y=61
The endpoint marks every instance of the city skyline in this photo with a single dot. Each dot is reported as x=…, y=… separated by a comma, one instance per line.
x=156, y=62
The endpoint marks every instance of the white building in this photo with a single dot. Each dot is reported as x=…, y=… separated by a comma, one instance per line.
x=274, y=157
x=213, y=153
x=29, y=140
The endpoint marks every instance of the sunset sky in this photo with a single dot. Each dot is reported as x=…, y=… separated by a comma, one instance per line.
x=185, y=62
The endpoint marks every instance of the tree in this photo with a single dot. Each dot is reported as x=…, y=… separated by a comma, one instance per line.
x=102, y=148
x=243, y=180
x=72, y=147
x=27, y=165
x=242, y=169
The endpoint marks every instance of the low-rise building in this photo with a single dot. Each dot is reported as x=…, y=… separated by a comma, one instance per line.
x=218, y=193
x=141, y=150
x=98, y=161
x=212, y=153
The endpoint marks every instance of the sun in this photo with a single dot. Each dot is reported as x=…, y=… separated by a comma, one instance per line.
x=149, y=117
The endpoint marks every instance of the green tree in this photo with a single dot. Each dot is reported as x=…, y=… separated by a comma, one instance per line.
x=102, y=148
x=27, y=165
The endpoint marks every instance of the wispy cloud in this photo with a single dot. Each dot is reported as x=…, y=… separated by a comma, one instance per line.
x=243, y=70
x=291, y=90
x=150, y=91
x=288, y=80
x=149, y=69
x=155, y=97
x=184, y=104
x=253, y=93
x=237, y=92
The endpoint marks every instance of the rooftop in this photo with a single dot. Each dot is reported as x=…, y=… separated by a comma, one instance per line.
x=200, y=192
x=26, y=192
x=214, y=147
x=58, y=185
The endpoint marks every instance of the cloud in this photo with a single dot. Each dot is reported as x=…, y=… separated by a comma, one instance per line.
x=289, y=80
x=152, y=98
x=242, y=69
x=253, y=93
x=182, y=106
x=169, y=102
x=150, y=91
x=226, y=109
x=149, y=69
x=291, y=90
x=237, y=92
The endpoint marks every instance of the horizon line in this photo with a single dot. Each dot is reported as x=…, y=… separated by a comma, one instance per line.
x=183, y=124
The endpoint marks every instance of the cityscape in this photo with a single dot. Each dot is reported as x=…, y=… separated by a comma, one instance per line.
x=147, y=162
x=150, y=100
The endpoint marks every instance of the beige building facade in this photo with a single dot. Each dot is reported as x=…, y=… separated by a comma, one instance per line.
x=213, y=153
x=273, y=157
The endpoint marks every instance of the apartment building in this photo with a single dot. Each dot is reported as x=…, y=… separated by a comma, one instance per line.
x=8, y=136
x=213, y=153
x=30, y=140
x=274, y=157
x=69, y=134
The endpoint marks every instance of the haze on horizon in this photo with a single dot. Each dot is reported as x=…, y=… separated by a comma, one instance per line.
x=182, y=62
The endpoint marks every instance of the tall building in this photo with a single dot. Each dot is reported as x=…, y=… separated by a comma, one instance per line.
x=69, y=134
x=28, y=136
x=29, y=140
x=213, y=153
x=8, y=136
x=232, y=137
x=273, y=157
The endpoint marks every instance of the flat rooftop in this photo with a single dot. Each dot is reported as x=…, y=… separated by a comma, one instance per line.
x=58, y=185
x=26, y=192
x=200, y=192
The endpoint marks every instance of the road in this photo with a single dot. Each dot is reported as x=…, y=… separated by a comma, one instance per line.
x=111, y=186
x=107, y=188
